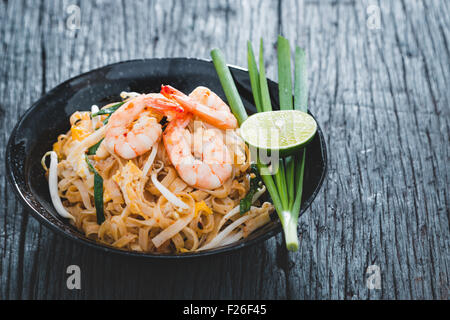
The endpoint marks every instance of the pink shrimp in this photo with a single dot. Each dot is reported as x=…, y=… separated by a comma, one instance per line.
x=133, y=129
x=205, y=104
x=210, y=165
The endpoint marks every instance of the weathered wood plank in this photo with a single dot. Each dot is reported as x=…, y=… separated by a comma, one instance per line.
x=380, y=95
x=20, y=86
x=141, y=29
x=366, y=85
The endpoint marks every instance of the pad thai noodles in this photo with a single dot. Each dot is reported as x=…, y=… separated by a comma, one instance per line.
x=160, y=172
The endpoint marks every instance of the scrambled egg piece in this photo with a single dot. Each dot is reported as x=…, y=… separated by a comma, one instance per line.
x=78, y=133
x=81, y=125
x=128, y=181
x=202, y=206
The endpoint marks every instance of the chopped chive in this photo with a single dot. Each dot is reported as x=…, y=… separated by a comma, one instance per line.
x=98, y=192
x=105, y=122
x=93, y=150
x=109, y=110
x=246, y=203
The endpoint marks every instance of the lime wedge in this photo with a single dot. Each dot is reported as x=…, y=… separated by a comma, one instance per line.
x=286, y=131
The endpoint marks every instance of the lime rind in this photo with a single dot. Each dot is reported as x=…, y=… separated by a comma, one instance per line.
x=285, y=131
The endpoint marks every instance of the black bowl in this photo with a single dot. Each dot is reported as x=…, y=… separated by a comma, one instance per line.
x=47, y=118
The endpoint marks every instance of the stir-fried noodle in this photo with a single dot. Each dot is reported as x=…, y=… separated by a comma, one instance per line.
x=174, y=171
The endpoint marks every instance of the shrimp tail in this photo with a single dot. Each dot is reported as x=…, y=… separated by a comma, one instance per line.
x=175, y=95
x=168, y=107
x=222, y=119
x=169, y=91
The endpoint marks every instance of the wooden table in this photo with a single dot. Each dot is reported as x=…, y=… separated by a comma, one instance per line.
x=380, y=92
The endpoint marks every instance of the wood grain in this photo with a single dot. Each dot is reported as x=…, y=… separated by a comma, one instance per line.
x=380, y=95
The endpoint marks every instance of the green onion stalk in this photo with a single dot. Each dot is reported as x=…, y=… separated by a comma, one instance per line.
x=300, y=103
x=286, y=185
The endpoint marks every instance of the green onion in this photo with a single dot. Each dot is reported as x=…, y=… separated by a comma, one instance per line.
x=290, y=178
x=254, y=77
x=246, y=203
x=286, y=186
x=105, y=122
x=284, y=74
x=299, y=182
x=301, y=81
x=98, y=192
x=300, y=103
x=271, y=187
x=279, y=177
x=238, y=110
x=280, y=181
x=109, y=110
x=228, y=86
x=285, y=95
x=93, y=150
x=265, y=95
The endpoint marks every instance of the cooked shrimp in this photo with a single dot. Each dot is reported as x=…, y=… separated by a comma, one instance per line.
x=133, y=129
x=205, y=104
x=210, y=165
